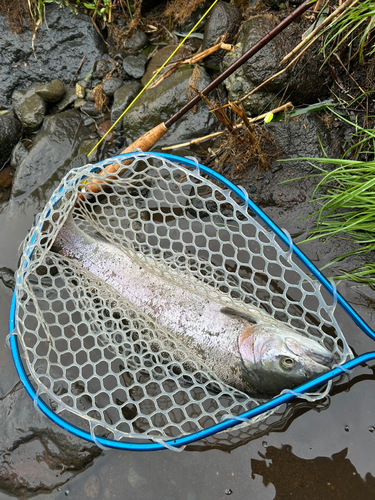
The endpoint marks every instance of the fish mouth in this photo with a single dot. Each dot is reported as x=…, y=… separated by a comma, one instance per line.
x=325, y=359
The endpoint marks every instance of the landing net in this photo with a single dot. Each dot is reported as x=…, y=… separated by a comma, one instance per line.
x=107, y=368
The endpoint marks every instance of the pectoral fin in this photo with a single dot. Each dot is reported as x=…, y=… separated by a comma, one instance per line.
x=230, y=311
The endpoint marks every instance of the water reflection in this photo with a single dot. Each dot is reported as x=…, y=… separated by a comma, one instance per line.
x=320, y=478
x=281, y=420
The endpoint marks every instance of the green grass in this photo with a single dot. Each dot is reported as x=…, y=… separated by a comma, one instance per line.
x=357, y=24
x=347, y=198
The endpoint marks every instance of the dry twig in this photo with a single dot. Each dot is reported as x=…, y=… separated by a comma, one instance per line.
x=76, y=73
x=173, y=67
x=221, y=132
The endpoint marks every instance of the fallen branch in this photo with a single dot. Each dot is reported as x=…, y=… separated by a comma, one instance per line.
x=218, y=112
x=221, y=132
x=76, y=73
x=173, y=67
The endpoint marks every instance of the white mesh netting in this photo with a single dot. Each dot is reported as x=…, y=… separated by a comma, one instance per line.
x=102, y=363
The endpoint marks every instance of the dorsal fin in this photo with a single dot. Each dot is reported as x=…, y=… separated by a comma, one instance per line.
x=230, y=311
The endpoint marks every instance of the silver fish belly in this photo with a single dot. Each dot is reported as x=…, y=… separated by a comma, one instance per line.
x=193, y=319
x=243, y=346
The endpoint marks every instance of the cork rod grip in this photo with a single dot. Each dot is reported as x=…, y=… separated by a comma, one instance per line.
x=145, y=143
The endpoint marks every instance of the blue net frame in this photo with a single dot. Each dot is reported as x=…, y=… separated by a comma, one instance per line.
x=228, y=423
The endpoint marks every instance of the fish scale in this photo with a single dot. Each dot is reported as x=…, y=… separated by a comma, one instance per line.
x=192, y=318
x=246, y=356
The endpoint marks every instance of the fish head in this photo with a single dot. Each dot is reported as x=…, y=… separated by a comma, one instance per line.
x=276, y=357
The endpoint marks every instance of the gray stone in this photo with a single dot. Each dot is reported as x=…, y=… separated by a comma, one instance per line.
x=90, y=108
x=54, y=147
x=137, y=41
x=159, y=57
x=7, y=277
x=195, y=16
x=111, y=85
x=60, y=45
x=224, y=19
x=51, y=92
x=85, y=148
x=163, y=101
x=30, y=108
x=292, y=138
x=38, y=456
x=101, y=68
x=135, y=66
x=69, y=98
x=78, y=103
x=298, y=138
x=18, y=154
x=121, y=100
x=10, y=131
x=89, y=95
x=304, y=89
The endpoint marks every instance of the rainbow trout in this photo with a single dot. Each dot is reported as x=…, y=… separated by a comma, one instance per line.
x=245, y=348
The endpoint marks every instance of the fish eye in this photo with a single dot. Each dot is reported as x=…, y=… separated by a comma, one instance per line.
x=287, y=363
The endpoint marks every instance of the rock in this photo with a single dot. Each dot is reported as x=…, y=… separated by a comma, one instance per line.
x=89, y=95
x=38, y=456
x=30, y=108
x=80, y=90
x=7, y=277
x=90, y=108
x=69, y=98
x=121, y=100
x=66, y=35
x=158, y=59
x=101, y=68
x=54, y=147
x=86, y=146
x=110, y=85
x=6, y=177
x=135, y=66
x=51, y=92
x=224, y=19
x=294, y=138
x=95, y=82
x=10, y=131
x=18, y=154
x=170, y=95
x=137, y=41
x=304, y=89
x=298, y=138
x=78, y=103
x=195, y=17
x=103, y=129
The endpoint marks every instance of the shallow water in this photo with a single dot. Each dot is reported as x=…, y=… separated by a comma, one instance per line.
x=323, y=452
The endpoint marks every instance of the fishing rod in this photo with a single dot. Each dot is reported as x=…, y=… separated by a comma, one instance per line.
x=150, y=138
